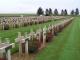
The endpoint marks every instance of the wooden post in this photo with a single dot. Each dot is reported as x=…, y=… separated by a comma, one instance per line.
x=9, y=54
x=44, y=36
x=27, y=38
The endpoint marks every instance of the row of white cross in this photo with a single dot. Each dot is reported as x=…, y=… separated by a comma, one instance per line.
x=5, y=47
x=24, y=39
x=20, y=21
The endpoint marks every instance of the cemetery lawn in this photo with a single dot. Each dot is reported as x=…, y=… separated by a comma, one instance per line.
x=13, y=33
x=65, y=46
x=18, y=14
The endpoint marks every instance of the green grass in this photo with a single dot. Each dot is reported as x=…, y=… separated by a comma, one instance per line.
x=65, y=46
x=12, y=34
x=16, y=14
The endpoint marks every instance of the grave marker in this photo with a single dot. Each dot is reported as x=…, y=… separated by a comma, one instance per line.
x=27, y=38
x=5, y=50
x=38, y=37
x=21, y=40
x=44, y=36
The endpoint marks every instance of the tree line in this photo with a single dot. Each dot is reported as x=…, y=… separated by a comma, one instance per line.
x=49, y=12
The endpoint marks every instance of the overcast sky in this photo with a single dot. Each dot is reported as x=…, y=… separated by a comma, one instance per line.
x=31, y=6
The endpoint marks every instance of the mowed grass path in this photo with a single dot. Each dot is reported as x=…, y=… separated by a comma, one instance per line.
x=65, y=46
x=12, y=34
